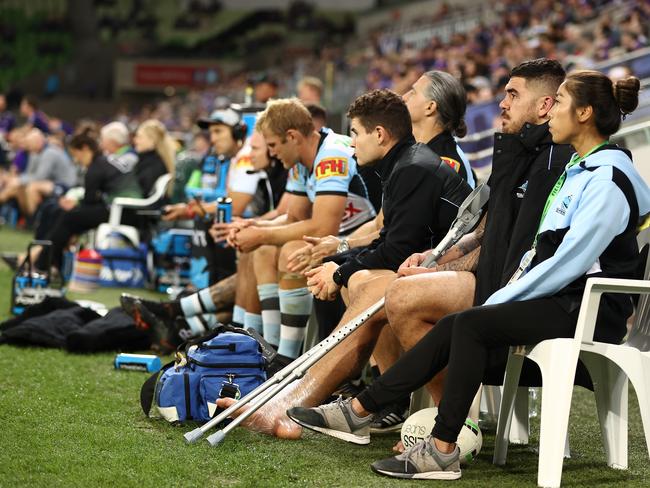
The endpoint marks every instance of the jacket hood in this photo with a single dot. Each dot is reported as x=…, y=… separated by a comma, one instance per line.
x=614, y=156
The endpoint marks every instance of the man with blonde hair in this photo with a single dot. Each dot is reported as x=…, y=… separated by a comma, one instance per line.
x=328, y=197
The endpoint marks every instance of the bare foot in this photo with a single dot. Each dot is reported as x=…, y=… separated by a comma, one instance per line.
x=399, y=447
x=267, y=420
x=271, y=419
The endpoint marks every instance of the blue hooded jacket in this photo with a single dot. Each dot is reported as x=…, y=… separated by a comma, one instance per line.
x=589, y=230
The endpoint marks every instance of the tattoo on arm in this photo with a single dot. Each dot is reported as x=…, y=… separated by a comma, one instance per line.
x=468, y=262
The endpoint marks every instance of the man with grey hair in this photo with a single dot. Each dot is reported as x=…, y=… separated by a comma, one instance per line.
x=437, y=103
x=114, y=139
x=49, y=172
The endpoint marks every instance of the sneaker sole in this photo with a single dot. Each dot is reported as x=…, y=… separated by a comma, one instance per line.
x=430, y=475
x=361, y=440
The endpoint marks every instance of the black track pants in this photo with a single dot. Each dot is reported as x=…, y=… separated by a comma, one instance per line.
x=462, y=342
x=69, y=224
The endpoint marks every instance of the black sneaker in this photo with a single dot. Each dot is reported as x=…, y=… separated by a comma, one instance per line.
x=162, y=328
x=162, y=310
x=390, y=419
x=423, y=461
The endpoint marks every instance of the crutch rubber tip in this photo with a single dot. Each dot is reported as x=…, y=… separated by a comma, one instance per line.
x=216, y=438
x=193, y=436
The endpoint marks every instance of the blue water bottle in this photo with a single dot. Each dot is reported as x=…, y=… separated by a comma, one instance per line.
x=224, y=211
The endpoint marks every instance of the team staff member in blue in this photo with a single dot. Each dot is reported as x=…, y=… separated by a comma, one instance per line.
x=587, y=228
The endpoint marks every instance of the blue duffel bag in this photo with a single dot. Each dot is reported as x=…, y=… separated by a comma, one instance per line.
x=228, y=362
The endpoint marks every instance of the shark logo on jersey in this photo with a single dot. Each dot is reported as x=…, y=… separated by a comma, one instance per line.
x=521, y=191
x=564, y=206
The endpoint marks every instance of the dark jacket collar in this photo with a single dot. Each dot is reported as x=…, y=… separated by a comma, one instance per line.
x=444, y=136
x=531, y=136
x=384, y=167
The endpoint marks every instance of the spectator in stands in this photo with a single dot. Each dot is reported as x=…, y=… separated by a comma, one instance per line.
x=310, y=90
x=592, y=216
x=35, y=117
x=156, y=154
x=105, y=180
x=7, y=119
x=265, y=88
x=318, y=114
x=49, y=172
x=16, y=143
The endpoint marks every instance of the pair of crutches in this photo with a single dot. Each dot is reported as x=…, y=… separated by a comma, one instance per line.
x=468, y=217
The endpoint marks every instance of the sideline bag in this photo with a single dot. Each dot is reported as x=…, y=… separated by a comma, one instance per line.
x=123, y=264
x=228, y=362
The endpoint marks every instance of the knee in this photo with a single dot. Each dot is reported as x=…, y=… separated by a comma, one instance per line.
x=358, y=283
x=465, y=324
x=265, y=256
x=287, y=250
x=397, y=298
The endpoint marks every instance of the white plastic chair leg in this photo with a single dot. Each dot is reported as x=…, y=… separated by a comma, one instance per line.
x=420, y=399
x=519, y=427
x=557, y=360
x=611, y=391
x=642, y=389
x=508, y=393
x=490, y=401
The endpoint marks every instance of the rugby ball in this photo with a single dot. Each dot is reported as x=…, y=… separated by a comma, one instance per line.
x=419, y=425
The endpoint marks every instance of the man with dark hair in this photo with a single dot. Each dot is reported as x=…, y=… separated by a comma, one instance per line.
x=421, y=195
x=318, y=114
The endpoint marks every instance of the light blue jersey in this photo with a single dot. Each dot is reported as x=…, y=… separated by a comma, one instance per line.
x=334, y=173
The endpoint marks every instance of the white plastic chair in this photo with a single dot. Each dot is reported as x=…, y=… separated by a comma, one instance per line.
x=610, y=367
x=115, y=217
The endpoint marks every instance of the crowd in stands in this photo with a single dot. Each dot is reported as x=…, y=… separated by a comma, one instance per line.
x=576, y=33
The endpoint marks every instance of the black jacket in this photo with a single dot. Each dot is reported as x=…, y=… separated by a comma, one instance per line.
x=421, y=199
x=525, y=166
x=149, y=168
x=444, y=145
x=105, y=181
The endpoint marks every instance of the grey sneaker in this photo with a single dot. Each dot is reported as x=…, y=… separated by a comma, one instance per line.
x=336, y=419
x=422, y=461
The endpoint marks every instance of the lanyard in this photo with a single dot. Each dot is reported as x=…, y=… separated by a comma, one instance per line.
x=575, y=159
x=527, y=259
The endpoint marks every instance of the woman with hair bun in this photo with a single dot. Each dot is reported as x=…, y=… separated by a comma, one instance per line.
x=588, y=228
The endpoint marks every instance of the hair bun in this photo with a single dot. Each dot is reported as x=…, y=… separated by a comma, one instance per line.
x=626, y=93
x=461, y=129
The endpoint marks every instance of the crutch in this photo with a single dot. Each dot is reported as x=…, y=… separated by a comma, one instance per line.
x=469, y=215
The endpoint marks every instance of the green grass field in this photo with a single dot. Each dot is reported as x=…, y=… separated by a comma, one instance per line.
x=72, y=420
